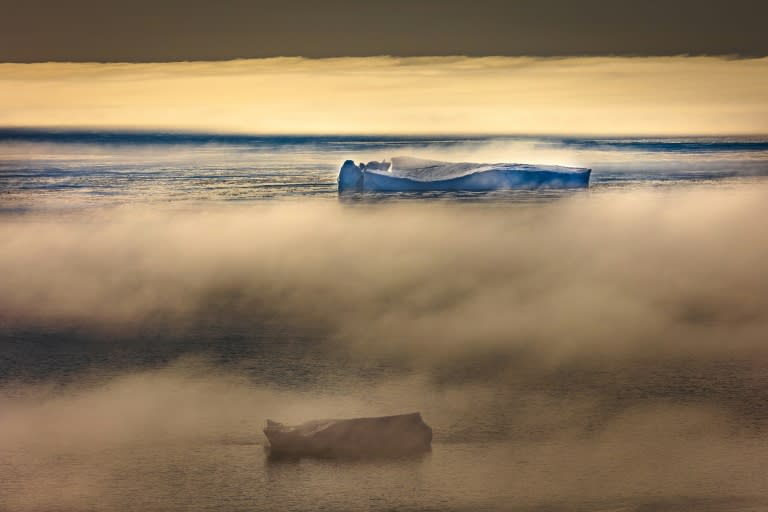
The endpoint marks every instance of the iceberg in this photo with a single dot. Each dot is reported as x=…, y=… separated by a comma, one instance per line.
x=409, y=174
x=385, y=436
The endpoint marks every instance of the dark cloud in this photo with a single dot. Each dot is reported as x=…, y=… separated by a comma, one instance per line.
x=200, y=30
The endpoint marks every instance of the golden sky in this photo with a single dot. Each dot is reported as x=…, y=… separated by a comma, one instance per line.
x=386, y=95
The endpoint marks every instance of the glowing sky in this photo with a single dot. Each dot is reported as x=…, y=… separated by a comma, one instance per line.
x=585, y=95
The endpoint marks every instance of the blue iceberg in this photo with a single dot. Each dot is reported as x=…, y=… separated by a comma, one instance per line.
x=409, y=174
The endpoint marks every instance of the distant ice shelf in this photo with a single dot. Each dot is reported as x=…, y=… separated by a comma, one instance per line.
x=409, y=174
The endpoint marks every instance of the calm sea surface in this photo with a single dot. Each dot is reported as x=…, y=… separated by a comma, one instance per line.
x=652, y=395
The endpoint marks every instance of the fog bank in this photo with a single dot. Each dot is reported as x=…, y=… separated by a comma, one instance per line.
x=599, y=352
x=612, y=275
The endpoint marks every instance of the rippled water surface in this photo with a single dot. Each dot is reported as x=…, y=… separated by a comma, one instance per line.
x=108, y=168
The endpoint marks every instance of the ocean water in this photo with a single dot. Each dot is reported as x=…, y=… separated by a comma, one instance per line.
x=163, y=294
x=97, y=168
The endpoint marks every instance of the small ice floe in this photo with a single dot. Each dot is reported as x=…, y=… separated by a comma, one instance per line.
x=384, y=436
x=408, y=174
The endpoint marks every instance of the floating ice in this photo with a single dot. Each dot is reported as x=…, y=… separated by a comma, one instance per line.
x=404, y=434
x=404, y=174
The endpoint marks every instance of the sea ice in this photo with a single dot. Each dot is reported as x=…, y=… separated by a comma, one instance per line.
x=403, y=434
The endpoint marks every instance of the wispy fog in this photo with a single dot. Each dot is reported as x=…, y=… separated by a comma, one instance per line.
x=186, y=437
x=598, y=352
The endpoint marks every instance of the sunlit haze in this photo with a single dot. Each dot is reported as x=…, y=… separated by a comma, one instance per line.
x=385, y=95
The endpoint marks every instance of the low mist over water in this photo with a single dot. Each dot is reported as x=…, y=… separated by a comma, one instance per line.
x=597, y=350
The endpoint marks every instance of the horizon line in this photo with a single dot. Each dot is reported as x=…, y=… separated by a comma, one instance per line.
x=6, y=130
